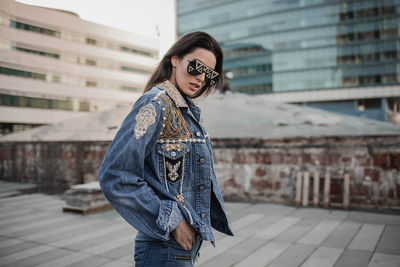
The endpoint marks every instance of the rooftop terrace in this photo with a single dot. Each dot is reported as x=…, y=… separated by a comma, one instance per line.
x=35, y=232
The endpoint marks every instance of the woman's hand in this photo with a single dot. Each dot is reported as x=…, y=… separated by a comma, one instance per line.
x=184, y=234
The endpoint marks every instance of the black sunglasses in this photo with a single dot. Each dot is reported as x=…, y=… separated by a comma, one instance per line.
x=196, y=67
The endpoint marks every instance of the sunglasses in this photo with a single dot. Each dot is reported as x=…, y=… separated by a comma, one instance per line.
x=196, y=67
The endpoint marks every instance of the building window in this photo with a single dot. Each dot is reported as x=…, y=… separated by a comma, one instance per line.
x=21, y=73
x=394, y=104
x=33, y=102
x=6, y=128
x=390, y=55
x=56, y=79
x=125, y=68
x=90, y=62
x=373, y=103
x=32, y=28
x=91, y=84
x=91, y=41
x=389, y=79
x=130, y=88
x=84, y=106
x=137, y=51
x=254, y=89
x=36, y=52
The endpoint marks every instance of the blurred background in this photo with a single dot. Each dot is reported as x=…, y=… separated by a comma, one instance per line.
x=305, y=129
x=63, y=59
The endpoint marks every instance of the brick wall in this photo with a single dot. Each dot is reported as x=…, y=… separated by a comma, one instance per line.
x=54, y=166
x=265, y=170
x=247, y=169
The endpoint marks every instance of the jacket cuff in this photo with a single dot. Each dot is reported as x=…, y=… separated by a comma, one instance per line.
x=169, y=215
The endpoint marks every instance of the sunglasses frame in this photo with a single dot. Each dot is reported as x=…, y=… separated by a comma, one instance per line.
x=197, y=67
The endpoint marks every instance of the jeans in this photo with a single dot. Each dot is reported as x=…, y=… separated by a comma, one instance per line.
x=165, y=253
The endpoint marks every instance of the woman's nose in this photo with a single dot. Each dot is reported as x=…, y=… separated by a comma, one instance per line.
x=201, y=77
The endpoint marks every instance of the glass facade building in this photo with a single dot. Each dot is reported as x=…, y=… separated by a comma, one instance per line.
x=286, y=47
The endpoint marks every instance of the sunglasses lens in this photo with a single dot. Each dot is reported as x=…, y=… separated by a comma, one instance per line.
x=196, y=67
x=191, y=68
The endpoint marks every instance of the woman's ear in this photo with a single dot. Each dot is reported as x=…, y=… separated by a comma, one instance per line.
x=174, y=61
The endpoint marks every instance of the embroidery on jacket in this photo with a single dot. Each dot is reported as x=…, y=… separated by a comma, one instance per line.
x=174, y=126
x=173, y=92
x=169, y=147
x=173, y=170
x=145, y=118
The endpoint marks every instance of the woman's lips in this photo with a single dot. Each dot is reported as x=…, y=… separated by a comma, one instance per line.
x=194, y=86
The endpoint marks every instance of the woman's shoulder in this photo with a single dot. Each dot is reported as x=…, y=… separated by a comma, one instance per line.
x=150, y=96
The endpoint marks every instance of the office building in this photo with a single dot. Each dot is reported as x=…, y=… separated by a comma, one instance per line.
x=55, y=66
x=337, y=55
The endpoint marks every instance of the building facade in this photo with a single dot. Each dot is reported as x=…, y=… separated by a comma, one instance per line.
x=339, y=55
x=56, y=66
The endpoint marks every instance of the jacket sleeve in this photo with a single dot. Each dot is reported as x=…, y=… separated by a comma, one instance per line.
x=122, y=173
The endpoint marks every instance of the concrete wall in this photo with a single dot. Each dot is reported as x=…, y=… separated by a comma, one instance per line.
x=247, y=169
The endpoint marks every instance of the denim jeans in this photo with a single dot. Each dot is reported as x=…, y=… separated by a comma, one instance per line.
x=165, y=253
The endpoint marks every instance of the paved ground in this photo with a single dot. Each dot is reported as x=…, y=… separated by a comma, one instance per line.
x=35, y=232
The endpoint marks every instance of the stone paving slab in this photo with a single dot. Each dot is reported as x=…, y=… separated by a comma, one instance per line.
x=390, y=240
x=297, y=231
x=343, y=235
x=353, y=258
x=368, y=237
x=323, y=256
x=38, y=233
x=234, y=254
x=40, y=258
x=264, y=255
x=384, y=260
x=318, y=234
x=293, y=256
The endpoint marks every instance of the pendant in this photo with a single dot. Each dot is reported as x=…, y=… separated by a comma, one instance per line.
x=180, y=198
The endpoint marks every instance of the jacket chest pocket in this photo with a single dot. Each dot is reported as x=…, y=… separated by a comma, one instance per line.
x=173, y=160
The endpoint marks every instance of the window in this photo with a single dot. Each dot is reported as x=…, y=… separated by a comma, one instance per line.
x=91, y=84
x=90, y=62
x=84, y=106
x=56, y=79
x=32, y=28
x=21, y=73
x=137, y=51
x=33, y=102
x=125, y=68
x=91, y=41
x=36, y=52
x=373, y=103
x=130, y=88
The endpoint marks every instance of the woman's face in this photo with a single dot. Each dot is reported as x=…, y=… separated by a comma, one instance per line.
x=190, y=84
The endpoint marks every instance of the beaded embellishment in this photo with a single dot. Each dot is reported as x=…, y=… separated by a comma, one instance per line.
x=173, y=170
x=173, y=92
x=145, y=118
x=169, y=147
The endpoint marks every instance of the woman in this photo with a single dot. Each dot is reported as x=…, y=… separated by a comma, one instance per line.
x=158, y=172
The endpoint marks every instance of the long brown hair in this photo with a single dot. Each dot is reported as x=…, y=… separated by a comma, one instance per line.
x=185, y=45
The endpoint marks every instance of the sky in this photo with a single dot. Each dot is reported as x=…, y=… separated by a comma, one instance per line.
x=137, y=16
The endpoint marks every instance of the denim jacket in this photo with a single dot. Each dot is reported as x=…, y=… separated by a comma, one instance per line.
x=159, y=168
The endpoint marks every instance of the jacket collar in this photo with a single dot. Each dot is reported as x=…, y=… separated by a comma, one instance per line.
x=175, y=94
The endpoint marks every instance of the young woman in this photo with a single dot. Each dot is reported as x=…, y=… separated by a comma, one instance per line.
x=158, y=172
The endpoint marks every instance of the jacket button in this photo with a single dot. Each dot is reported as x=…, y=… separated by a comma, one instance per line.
x=203, y=215
x=201, y=187
x=198, y=134
x=173, y=153
x=202, y=160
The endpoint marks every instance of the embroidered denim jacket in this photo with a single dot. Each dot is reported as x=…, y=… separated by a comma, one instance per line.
x=162, y=154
